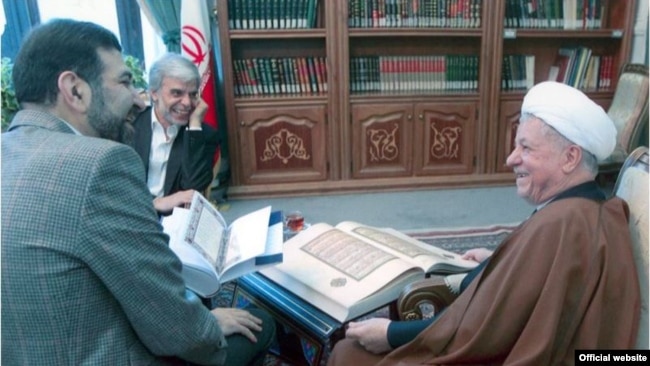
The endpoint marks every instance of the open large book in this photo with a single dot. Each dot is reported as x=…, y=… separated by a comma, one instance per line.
x=351, y=269
x=212, y=252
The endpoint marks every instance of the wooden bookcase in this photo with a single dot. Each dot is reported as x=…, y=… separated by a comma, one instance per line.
x=342, y=139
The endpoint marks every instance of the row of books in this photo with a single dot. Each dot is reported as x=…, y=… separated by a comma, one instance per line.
x=580, y=68
x=414, y=73
x=562, y=14
x=518, y=72
x=280, y=76
x=414, y=13
x=272, y=14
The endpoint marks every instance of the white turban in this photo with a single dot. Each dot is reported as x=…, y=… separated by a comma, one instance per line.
x=573, y=115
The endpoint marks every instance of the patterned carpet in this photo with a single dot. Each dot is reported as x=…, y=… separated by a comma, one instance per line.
x=456, y=240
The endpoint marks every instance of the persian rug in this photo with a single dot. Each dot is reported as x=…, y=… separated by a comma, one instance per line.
x=456, y=240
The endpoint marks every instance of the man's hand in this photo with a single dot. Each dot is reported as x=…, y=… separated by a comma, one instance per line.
x=196, y=118
x=477, y=254
x=372, y=334
x=233, y=321
x=167, y=203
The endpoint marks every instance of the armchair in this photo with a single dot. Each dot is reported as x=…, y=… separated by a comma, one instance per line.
x=629, y=111
x=423, y=298
x=632, y=186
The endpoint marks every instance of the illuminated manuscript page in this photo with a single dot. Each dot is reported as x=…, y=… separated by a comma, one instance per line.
x=340, y=273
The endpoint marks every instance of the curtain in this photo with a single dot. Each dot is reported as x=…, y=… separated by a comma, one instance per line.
x=164, y=16
x=20, y=17
x=128, y=18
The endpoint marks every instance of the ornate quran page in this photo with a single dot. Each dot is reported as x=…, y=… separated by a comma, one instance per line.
x=341, y=274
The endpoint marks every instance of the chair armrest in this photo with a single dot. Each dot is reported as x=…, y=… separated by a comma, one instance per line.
x=424, y=298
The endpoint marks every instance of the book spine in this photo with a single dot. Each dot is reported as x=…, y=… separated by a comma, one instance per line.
x=231, y=17
x=285, y=16
x=324, y=71
x=275, y=75
x=246, y=77
x=237, y=74
x=313, y=82
x=318, y=75
x=260, y=74
x=288, y=74
x=281, y=85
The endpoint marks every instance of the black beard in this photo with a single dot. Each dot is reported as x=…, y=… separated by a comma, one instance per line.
x=107, y=124
x=127, y=133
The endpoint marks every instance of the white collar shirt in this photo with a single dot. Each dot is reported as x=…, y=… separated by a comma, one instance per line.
x=161, y=146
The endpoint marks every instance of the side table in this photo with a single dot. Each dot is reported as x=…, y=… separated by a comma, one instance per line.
x=305, y=334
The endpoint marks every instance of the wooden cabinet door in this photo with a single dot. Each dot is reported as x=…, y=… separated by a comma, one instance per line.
x=282, y=144
x=381, y=140
x=509, y=112
x=444, y=138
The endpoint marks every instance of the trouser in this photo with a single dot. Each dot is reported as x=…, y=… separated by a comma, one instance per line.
x=242, y=351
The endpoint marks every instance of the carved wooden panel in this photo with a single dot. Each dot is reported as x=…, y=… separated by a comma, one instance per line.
x=444, y=138
x=509, y=113
x=381, y=140
x=282, y=144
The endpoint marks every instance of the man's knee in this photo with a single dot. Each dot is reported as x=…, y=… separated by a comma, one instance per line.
x=267, y=335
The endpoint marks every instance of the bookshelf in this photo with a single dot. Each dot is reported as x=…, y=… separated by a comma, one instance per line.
x=343, y=96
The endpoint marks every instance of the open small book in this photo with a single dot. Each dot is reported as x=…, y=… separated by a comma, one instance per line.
x=213, y=252
x=351, y=269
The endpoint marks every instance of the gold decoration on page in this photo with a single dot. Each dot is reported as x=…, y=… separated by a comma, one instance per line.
x=338, y=282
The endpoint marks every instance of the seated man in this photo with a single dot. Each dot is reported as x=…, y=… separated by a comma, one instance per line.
x=87, y=274
x=563, y=280
x=177, y=148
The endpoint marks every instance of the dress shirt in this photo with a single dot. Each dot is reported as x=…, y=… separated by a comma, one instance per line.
x=161, y=146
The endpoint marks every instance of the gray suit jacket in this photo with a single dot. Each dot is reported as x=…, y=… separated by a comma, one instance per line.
x=87, y=275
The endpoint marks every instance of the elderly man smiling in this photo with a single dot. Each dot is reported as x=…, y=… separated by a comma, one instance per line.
x=563, y=280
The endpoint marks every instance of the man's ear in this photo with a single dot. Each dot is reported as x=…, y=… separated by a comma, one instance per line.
x=74, y=91
x=573, y=157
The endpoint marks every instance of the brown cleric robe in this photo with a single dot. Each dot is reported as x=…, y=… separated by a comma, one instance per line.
x=563, y=280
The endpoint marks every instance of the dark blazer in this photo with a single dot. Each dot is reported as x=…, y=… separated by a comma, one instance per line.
x=190, y=160
x=87, y=275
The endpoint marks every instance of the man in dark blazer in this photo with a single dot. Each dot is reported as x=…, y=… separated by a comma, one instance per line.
x=87, y=274
x=176, y=147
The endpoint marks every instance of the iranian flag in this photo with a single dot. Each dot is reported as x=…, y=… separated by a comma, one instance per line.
x=196, y=45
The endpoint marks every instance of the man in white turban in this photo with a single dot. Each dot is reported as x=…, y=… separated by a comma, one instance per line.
x=571, y=113
x=563, y=280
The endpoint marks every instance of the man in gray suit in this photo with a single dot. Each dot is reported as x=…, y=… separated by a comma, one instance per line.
x=87, y=275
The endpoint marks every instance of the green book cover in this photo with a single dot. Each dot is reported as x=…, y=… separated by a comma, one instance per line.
x=311, y=13
x=256, y=76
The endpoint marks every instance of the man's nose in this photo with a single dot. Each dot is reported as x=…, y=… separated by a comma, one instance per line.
x=138, y=99
x=512, y=159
